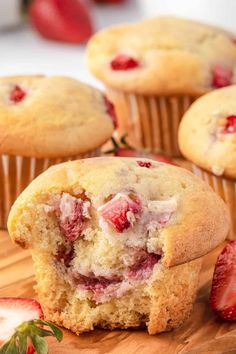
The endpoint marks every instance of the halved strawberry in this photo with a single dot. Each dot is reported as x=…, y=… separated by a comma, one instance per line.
x=21, y=323
x=124, y=62
x=123, y=149
x=222, y=76
x=120, y=211
x=223, y=292
x=61, y=20
x=230, y=125
x=14, y=311
x=17, y=94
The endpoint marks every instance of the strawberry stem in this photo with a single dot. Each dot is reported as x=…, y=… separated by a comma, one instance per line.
x=31, y=332
x=119, y=144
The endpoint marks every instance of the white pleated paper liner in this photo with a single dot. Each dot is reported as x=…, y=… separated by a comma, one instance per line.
x=151, y=122
x=16, y=172
x=226, y=188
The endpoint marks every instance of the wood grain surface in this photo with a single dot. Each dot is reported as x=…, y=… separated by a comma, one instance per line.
x=202, y=333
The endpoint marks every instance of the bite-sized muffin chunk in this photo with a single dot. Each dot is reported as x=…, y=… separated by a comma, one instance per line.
x=117, y=243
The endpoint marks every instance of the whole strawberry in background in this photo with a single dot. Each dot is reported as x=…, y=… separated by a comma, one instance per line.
x=62, y=20
x=123, y=149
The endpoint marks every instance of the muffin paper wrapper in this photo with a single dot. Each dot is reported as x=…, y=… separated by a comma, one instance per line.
x=151, y=122
x=16, y=172
x=226, y=188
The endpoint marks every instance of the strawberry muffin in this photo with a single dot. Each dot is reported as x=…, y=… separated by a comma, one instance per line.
x=44, y=121
x=117, y=242
x=207, y=138
x=155, y=69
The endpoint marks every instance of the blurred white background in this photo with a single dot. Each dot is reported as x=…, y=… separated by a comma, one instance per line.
x=23, y=51
x=216, y=12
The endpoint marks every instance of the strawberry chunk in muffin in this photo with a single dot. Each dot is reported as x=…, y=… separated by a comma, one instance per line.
x=17, y=94
x=124, y=62
x=72, y=216
x=222, y=76
x=230, y=125
x=120, y=212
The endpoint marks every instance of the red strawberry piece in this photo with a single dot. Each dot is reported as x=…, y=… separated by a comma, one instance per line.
x=111, y=110
x=14, y=311
x=17, y=94
x=95, y=283
x=142, y=269
x=222, y=76
x=61, y=20
x=120, y=212
x=124, y=62
x=65, y=255
x=30, y=349
x=72, y=216
x=230, y=126
x=161, y=158
x=126, y=152
x=223, y=292
x=144, y=164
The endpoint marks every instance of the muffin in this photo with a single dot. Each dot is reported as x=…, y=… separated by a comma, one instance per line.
x=207, y=138
x=117, y=242
x=44, y=121
x=155, y=69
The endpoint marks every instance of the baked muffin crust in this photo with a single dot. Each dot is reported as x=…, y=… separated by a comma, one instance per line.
x=198, y=218
x=47, y=117
x=168, y=55
x=207, y=133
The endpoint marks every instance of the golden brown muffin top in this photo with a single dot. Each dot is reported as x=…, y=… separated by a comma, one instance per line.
x=175, y=211
x=207, y=134
x=163, y=55
x=47, y=117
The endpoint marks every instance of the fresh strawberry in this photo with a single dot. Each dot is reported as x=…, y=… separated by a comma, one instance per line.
x=30, y=349
x=17, y=94
x=230, y=126
x=124, y=62
x=21, y=322
x=61, y=20
x=72, y=216
x=18, y=310
x=111, y=110
x=223, y=292
x=120, y=211
x=222, y=76
x=123, y=149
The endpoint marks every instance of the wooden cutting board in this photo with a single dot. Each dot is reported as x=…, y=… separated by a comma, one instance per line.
x=202, y=333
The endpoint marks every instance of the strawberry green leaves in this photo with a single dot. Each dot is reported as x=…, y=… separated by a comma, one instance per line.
x=29, y=338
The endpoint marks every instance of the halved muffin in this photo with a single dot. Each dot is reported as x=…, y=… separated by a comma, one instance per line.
x=117, y=242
